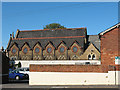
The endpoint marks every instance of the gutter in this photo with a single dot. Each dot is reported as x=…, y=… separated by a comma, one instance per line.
x=115, y=26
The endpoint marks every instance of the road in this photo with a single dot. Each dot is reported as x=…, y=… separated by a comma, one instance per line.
x=25, y=84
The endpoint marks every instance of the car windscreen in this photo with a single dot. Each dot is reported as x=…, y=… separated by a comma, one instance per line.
x=16, y=71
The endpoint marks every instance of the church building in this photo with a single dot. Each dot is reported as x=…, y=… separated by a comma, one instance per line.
x=53, y=44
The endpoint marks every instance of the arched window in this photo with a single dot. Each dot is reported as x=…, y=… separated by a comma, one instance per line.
x=25, y=50
x=37, y=50
x=89, y=57
x=62, y=49
x=49, y=49
x=14, y=50
x=93, y=57
x=74, y=49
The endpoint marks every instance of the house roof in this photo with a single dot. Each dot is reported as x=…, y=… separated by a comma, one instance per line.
x=94, y=39
x=52, y=35
x=109, y=29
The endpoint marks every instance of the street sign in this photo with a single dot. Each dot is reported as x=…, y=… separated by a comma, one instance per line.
x=117, y=60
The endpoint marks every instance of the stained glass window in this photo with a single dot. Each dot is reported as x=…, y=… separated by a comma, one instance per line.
x=13, y=50
x=75, y=49
x=25, y=50
x=62, y=49
x=37, y=50
x=49, y=49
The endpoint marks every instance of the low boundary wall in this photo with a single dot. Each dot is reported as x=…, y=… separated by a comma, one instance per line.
x=67, y=68
x=73, y=78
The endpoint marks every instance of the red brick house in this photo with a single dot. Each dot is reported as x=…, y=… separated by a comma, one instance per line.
x=110, y=45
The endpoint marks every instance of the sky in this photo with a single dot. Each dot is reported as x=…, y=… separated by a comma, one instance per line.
x=95, y=16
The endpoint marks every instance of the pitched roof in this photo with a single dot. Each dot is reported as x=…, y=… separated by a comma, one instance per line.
x=94, y=39
x=109, y=29
x=55, y=36
x=51, y=33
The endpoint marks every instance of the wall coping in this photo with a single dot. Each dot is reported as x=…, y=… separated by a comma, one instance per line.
x=64, y=62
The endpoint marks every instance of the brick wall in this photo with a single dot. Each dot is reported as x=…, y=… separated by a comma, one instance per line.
x=74, y=68
x=109, y=47
x=68, y=68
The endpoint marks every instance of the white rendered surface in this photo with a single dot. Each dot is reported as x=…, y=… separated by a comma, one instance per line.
x=73, y=78
x=26, y=63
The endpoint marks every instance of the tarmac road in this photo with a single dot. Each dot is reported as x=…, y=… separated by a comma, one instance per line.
x=25, y=84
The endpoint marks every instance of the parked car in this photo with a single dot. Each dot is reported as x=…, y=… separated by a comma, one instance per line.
x=25, y=71
x=14, y=74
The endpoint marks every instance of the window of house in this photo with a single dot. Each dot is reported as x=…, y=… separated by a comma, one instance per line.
x=89, y=57
x=62, y=49
x=13, y=50
x=75, y=49
x=37, y=50
x=25, y=50
x=49, y=50
x=93, y=57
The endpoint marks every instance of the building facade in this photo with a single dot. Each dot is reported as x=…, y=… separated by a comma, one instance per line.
x=110, y=44
x=106, y=73
x=55, y=44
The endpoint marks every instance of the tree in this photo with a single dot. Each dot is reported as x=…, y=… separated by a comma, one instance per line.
x=11, y=65
x=54, y=26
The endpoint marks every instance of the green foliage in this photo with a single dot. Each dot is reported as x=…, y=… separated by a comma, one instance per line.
x=54, y=26
x=11, y=65
x=99, y=58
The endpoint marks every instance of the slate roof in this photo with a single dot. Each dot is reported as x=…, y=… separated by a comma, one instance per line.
x=51, y=33
x=34, y=36
x=95, y=40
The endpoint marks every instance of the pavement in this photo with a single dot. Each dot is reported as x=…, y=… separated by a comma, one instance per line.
x=25, y=84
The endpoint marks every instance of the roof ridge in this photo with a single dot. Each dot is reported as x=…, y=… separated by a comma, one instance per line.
x=47, y=37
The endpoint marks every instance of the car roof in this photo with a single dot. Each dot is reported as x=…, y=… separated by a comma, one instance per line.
x=23, y=68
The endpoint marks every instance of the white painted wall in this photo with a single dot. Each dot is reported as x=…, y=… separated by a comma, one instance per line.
x=72, y=78
x=26, y=63
x=117, y=77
